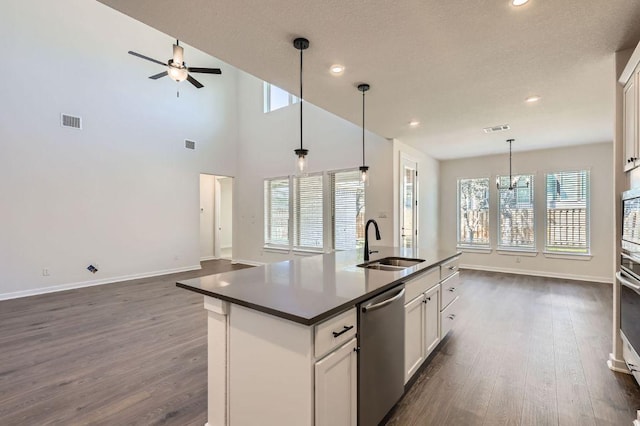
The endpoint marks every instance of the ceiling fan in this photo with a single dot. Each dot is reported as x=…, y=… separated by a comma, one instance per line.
x=177, y=70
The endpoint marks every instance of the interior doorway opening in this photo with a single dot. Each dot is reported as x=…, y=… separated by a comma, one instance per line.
x=216, y=217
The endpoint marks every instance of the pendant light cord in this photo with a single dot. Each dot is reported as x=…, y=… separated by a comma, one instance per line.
x=301, y=99
x=363, y=162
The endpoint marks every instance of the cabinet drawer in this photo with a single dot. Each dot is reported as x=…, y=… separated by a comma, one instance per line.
x=334, y=332
x=450, y=289
x=448, y=318
x=422, y=283
x=449, y=267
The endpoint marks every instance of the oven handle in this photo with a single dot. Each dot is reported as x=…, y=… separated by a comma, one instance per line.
x=627, y=282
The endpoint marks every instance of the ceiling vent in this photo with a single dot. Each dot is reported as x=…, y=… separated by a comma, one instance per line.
x=189, y=144
x=498, y=128
x=71, y=121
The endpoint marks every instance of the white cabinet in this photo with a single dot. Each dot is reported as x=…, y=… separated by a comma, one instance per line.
x=336, y=387
x=421, y=330
x=431, y=320
x=630, y=123
x=414, y=336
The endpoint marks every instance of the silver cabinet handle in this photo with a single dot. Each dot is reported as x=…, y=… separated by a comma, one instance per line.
x=451, y=268
x=452, y=316
x=372, y=307
x=451, y=289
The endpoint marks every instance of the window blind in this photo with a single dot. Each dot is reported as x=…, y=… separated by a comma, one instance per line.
x=307, y=212
x=347, y=209
x=516, y=215
x=276, y=212
x=568, y=212
x=473, y=212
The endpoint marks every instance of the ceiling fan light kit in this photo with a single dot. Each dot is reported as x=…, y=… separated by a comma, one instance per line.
x=301, y=44
x=177, y=69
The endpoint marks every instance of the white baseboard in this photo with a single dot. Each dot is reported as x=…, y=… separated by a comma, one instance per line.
x=205, y=258
x=607, y=280
x=617, y=365
x=71, y=286
x=248, y=262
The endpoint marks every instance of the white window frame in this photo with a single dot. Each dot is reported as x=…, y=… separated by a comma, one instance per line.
x=266, y=95
x=531, y=188
x=293, y=200
x=330, y=205
x=466, y=245
x=568, y=253
x=266, y=244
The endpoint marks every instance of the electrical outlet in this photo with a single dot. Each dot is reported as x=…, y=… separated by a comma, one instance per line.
x=45, y=272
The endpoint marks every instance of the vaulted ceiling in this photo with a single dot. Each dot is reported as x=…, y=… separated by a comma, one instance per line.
x=455, y=66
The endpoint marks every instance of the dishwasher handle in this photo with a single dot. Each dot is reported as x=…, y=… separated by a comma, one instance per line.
x=374, y=306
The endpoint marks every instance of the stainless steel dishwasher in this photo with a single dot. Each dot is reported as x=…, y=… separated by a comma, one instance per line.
x=381, y=355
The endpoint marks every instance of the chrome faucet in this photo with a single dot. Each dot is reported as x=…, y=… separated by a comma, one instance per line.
x=366, y=238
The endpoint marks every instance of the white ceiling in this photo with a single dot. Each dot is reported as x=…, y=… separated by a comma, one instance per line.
x=457, y=66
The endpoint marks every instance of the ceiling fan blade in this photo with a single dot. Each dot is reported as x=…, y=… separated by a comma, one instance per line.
x=146, y=57
x=206, y=70
x=194, y=82
x=159, y=75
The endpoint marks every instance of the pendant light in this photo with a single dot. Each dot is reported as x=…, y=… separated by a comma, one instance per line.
x=301, y=44
x=513, y=183
x=364, y=169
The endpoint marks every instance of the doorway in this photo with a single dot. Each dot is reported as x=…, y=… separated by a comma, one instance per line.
x=216, y=217
x=409, y=203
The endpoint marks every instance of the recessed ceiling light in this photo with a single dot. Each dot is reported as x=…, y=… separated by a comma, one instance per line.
x=518, y=2
x=337, y=69
x=532, y=99
x=414, y=123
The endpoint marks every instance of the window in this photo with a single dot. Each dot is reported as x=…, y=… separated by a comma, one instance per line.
x=473, y=212
x=568, y=212
x=516, y=215
x=276, y=98
x=347, y=210
x=276, y=212
x=307, y=212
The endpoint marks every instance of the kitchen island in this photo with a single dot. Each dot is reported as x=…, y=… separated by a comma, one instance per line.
x=282, y=338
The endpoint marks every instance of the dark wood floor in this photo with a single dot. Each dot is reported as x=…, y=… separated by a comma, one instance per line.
x=528, y=351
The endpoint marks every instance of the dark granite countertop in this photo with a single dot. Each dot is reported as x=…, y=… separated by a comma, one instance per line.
x=311, y=289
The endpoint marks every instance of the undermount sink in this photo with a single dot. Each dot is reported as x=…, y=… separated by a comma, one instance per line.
x=391, y=263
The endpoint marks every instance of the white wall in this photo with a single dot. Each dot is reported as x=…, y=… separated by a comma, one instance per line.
x=226, y=212
x=207, y=216
x=122, y=192
x=266, y=149
x=428, y=188
x=597, y=158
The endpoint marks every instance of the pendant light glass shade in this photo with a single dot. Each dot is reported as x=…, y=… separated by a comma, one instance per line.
x=364, y=169
x=513, y=180
x=301, y=162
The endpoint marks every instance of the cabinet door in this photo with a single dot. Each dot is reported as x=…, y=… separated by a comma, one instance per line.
x=431, y=320
x=336, y=387
x=413, y=336
x=629, y=123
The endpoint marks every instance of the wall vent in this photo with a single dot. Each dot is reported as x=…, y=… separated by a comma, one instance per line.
x=71, y=121
x=498, y=128
x=189, y=144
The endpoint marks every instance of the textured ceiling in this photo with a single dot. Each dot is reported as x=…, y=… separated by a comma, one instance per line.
x=456, y=66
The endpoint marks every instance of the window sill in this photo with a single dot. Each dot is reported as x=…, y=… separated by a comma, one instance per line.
x=274, y=249
x=514, y=252
x=480, y=250
x=568, y=256
x=307, y=252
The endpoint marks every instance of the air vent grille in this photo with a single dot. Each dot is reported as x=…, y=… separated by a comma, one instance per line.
x=71, y=121
x=189, y=144
x=498, y=128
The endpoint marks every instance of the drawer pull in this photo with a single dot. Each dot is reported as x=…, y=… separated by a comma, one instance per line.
x=452, y=268
x=451, y=289
x=344, y=330
x=427, y=300
x=452, y=316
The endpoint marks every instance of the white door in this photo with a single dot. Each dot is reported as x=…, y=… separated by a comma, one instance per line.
x=409, y=203
x=207, y=220
x=336, y=387
x=413, y=336
x=431, y=318
x=224, y=217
